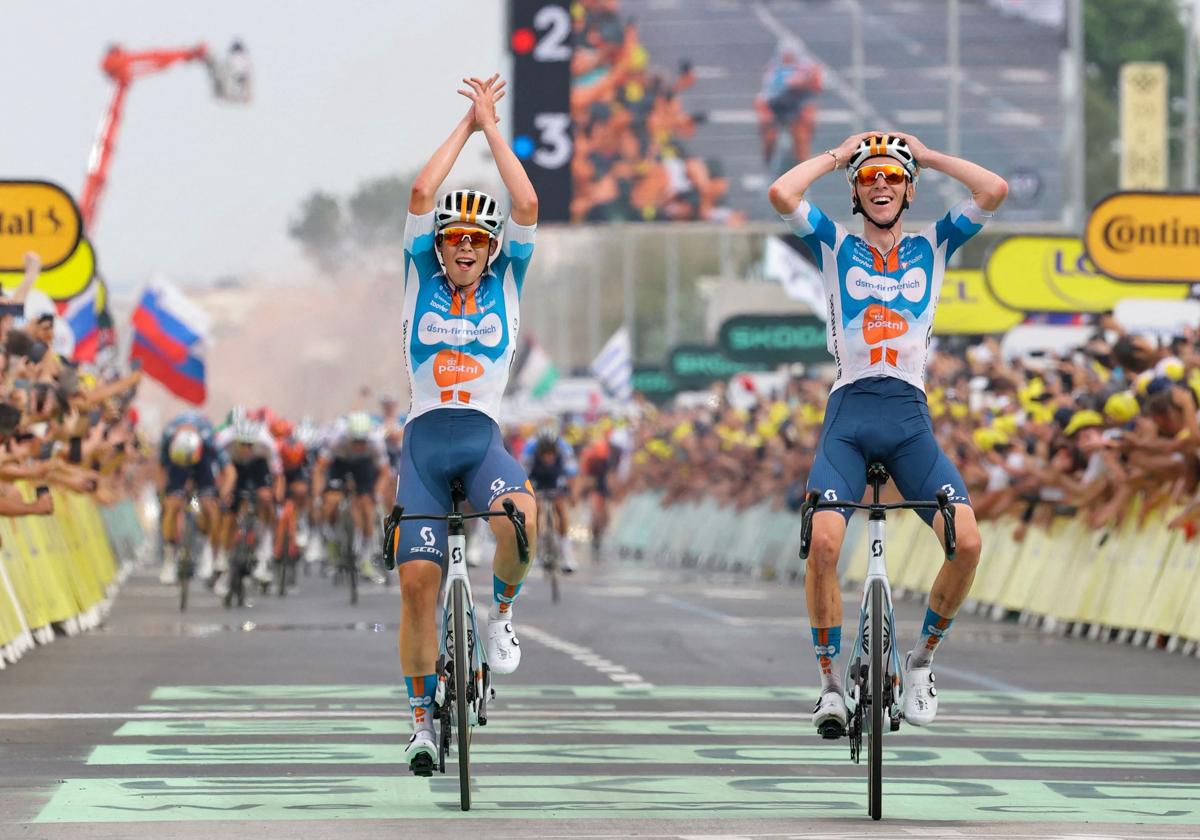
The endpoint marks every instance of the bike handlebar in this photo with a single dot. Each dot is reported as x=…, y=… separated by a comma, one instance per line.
x=516, y=517
x=813, y=502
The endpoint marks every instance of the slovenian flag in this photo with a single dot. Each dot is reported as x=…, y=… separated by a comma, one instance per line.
x=81, y=316
x=169, y=334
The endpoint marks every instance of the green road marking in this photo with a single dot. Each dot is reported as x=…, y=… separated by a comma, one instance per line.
x=399, y=725
x=359, y=693
x=613, y=797
x=725, y=754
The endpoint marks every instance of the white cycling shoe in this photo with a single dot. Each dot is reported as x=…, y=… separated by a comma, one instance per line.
x=421, y=752
x=503, y=649
x=920, y=695
x=168, y=575
x=829, y=714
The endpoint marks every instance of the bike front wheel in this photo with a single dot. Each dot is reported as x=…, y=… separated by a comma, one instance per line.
x=462, y=679
x=876, y=676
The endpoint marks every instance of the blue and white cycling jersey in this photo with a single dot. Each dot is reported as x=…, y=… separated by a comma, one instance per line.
x=459, y=349
x=881, y=307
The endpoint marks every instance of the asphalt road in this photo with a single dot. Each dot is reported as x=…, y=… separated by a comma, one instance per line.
x=651, y=702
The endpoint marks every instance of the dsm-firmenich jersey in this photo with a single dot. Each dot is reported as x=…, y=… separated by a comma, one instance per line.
x=881, y=307
x=459, y=349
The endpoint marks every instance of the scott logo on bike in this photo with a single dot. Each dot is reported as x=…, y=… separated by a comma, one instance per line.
x=456, y=555
x=877, y=548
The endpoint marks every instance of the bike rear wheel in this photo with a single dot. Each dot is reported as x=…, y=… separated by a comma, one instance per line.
x=463, y=671
x=875, y=743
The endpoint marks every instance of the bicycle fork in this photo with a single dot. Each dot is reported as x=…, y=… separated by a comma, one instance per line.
x=876, y=570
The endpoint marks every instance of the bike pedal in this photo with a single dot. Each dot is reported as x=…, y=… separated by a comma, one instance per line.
x=421, y=765
x=831, y=730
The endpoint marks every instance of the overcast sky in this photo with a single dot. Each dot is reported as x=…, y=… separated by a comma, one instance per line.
x=199, y=188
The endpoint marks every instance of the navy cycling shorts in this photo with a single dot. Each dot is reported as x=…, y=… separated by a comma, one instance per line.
x=440, y=446
x=887, y=420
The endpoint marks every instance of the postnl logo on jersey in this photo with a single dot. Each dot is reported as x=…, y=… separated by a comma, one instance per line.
x=451, y=367
x=881, y=324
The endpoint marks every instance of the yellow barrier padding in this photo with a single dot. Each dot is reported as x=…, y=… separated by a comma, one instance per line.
x=925, y=557
x=1055, y=573
x=1139, y=565
x=1168, y=604
x=856, y=571
x=901, y=533
x=1187, y=624
x=58, y=566
x=996, y=560
x=1026, y=567
x=1094, y=609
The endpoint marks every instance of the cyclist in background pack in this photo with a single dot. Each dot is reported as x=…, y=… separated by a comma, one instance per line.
x=354, y=450
x=258, y=471
x=189, y=452
x=550, y=462
x=882, y=290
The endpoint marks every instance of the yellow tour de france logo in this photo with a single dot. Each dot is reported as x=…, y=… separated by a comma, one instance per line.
x=1053, y=274
x=967, y=306
x=1146, y=236
x=62, y=282
x=37, y=216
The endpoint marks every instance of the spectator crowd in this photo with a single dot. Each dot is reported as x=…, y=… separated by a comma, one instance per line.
x=631, y=160
x=1080, y=434
x=61, y=424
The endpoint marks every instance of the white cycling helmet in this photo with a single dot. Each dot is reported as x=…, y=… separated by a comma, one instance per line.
x=469, y=207
x=883, y=145
x=185, y=448
x=358, y=425
x=247, y=431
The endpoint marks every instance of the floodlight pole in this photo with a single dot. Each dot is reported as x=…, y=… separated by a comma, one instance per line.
x=1190, y=137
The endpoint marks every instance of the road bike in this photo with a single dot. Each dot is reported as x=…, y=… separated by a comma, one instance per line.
x=245, y=543
x=550, y=543
x=189, y=536
x=874, y=687
x=341, y=549
x=464, y=677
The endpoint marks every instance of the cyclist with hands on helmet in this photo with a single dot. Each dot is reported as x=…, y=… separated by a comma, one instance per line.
x=459, y=330
x=882, y=288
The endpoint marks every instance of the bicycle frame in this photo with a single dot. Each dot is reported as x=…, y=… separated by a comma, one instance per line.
x=456, y=570
x=876, y=570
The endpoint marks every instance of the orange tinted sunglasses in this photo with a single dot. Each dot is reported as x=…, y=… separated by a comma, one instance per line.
x=892, y=174
x=454, y=237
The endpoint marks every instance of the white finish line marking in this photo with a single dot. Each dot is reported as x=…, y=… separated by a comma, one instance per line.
x=1122, y=723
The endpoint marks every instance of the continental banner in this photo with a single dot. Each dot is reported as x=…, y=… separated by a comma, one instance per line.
x=1146, y=236
x=1053, y=274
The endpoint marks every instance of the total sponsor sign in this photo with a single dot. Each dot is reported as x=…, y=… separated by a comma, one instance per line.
x=37, y=216
x=1146, y=236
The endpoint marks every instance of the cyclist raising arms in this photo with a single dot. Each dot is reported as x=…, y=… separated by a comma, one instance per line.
x=882, y=289
x=459, y=330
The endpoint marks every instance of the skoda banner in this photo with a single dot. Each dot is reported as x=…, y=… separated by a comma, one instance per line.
x=774, y=339
x=654, y=383
x=698, y=365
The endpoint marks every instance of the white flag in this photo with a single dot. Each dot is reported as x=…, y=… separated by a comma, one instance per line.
x=800, y=279
x=614, y=366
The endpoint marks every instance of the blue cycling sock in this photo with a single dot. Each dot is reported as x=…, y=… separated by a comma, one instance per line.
x=933, y=630
x=827, y=643
x=503, y=595
x=421, y=692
